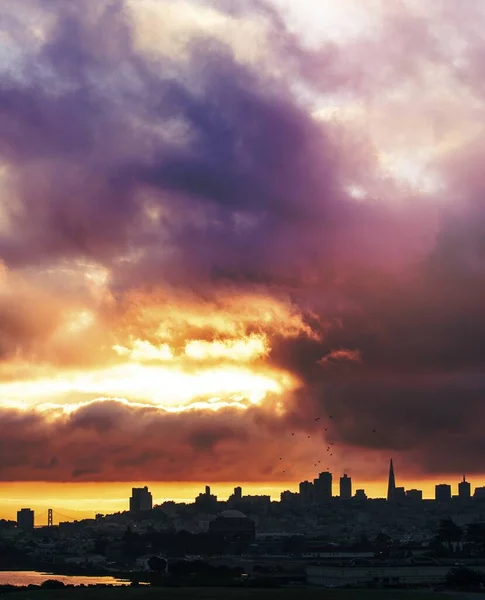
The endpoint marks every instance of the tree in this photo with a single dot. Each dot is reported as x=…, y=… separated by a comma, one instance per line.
x=382, y=542
x=436, y=548
x=99, y=546
x=52, y=584
x=156, y=563
x=476, y=534
x=293, y=544
x=129, y=536
x=448, y=531
x=364, y=543
x=465, y=577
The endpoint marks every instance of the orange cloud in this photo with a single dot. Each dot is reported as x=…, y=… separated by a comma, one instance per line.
x=341, y=355
x=90, y=444
x=184, y=254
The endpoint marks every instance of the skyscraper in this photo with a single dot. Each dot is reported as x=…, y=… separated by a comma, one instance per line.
x=141, y=500
x=323, y=487
x=464, y=489
x=443, y=492
x=345, y=487
x=307, y=493
x=25, y=519
x=391, y=486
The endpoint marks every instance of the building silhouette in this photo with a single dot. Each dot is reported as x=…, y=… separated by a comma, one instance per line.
x=323, y=487
x=464, y=489
x=206, y=501
x=141, y=500
x=233, y=526
x=234, y=499
x=391, y=484
x=345, y=487
x=443, y=492
x=25, y=519
x=414, y=494
x=479, y=493
x=307, y=497
x=289, y=498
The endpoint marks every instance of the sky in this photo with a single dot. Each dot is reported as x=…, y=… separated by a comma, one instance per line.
x=240, y=241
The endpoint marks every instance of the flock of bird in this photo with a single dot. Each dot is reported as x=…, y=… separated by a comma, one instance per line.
x=329, y=448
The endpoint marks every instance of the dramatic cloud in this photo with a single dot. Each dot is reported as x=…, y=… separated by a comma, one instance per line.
x=230, y=237
x=102, y=439
x=340, y=355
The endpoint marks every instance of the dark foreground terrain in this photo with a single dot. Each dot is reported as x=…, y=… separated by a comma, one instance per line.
x=225, y=594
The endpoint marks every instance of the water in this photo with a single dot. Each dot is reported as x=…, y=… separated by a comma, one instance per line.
x=36, y=578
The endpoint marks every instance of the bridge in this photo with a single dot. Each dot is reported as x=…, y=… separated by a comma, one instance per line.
x=49, y=518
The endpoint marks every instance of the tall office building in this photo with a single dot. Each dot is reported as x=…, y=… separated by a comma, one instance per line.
x=238, y=493
x=307, y=497
x=141, y=500
x=464, y=490
x=25, y=519
x=323, y=487
x=391, y=484
x=345, y=487
x=443, y=492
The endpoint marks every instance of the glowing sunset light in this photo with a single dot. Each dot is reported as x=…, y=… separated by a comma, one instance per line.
x=233, y=233
x=239, y=350
x=143, y=350
x=162, y=386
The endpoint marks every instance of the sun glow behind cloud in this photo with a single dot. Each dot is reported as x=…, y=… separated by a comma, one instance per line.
x=175, y=369
x=240, y=350
x=142, y=350
x=242, y=224
x=163, y=386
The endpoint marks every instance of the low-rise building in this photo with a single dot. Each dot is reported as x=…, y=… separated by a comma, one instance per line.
x=378, y=574
x=233, y=525
x=336, y=554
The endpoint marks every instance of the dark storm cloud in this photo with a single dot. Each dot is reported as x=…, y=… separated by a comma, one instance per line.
x=239, y=170
x=251, y=190
x=135, y=443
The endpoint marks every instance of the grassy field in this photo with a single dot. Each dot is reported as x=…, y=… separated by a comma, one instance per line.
x=223, y=594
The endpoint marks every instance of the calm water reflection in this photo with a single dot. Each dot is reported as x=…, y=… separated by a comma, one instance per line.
x=36, y=578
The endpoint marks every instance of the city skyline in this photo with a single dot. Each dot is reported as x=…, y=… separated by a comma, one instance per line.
x=223, y=492
x=240, y=240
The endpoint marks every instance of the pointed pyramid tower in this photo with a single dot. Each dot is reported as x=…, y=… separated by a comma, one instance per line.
x=391, y=486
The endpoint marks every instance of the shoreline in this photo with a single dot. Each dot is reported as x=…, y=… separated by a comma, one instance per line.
x=36, y=577
x=44, y=570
